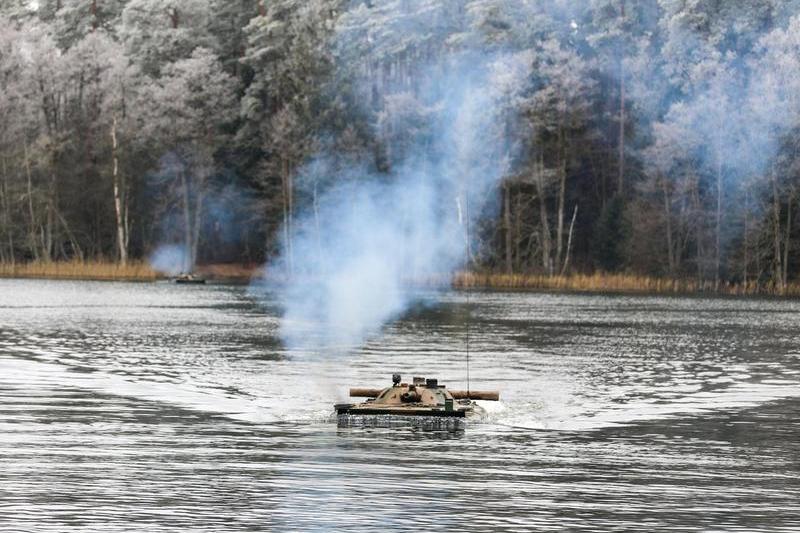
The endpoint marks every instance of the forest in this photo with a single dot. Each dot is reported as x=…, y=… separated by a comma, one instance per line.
x=650, y=137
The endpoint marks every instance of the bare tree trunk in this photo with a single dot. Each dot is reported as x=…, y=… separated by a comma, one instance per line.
x=50, y=218
x=786, y=240
x=76, y=248
x=6, y=215
x=668, y=220
x=467, y=233
x=759, y=268
x=777, y=275
x=746, y=258
x=569, y=240
x=700, y=236
x=317, y=226
x=174, y=17
x=95, y=22
x=507, y=227
x=122, y=238
x=518, y=233
x=621, y=141
x=4, y=254
x=286, y=182
x=683, y=230
x=718, y=219
x=47, y=230
x=199, y=198
x=203, y=175
x=286, y=236
x=187, y=223
x=290, y=196
x=7, y=210
x=546, y=238
x=562, y=192
x=31, y=213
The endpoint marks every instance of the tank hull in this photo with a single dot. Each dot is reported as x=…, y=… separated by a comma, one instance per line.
x=356, y=409
x=190, y=281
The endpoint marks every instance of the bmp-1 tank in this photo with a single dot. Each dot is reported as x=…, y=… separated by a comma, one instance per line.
x=189, y=279
x=422, y=398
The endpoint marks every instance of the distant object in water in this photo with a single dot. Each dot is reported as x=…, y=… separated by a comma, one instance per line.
x=189, y=279
x=422, y=398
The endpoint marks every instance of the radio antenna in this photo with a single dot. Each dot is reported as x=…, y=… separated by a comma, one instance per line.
x=466, y=279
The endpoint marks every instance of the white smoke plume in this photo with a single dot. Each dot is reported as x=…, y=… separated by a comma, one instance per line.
x=371, y=234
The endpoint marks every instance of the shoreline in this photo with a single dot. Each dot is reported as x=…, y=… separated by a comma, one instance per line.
x=113, y=271
x=598, y=282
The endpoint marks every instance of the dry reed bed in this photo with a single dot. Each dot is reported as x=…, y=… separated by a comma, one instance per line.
x=107, y=270
x=88, y=270
x=604, y=282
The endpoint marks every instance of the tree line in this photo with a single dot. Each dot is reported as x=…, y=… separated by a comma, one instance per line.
x=657, y=137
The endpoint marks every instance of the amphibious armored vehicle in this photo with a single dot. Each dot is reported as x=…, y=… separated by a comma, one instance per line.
x=421, y=398
x=189, y=279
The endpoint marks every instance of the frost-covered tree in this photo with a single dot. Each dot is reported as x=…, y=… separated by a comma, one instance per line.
x=616, y=30
x=72, y=20
x=283, y=109
x=556, y=113
x=15, y=111
x=774, y=119
x=193, y=103
x=157, y=32
x=112, y=118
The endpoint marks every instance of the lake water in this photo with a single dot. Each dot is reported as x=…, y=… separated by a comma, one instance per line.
x=156, y=407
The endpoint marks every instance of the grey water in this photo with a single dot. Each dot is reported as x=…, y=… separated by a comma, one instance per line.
x=156, y=407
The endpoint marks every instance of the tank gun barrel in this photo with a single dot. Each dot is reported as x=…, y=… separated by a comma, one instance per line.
x=364, y=393
x=457, y=394
x=476, y=395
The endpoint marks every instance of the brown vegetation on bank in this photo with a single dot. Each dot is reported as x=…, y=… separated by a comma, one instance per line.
x=109, y=270
x=607, y=282
x=85, y=270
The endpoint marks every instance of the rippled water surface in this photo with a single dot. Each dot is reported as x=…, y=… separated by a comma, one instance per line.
x=156, y=407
